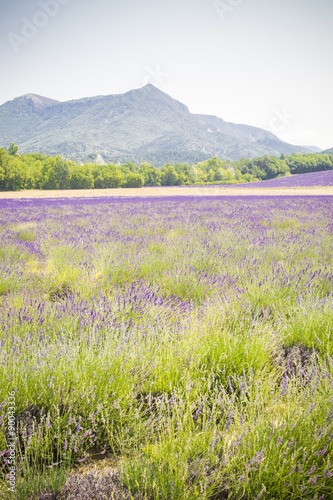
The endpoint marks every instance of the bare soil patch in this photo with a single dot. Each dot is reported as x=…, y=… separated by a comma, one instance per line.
x=146, y=192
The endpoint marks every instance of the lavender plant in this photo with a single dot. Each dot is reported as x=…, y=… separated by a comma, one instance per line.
x=194, y=344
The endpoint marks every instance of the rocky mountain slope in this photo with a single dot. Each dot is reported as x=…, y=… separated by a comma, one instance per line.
x=141, y=125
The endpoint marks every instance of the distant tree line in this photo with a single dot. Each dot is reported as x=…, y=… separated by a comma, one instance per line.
x=36, y=171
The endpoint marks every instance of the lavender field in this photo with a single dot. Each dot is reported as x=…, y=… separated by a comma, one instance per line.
x=190, y=339
x=313, y=179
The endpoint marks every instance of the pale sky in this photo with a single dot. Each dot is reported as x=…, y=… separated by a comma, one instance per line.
x=266, y=63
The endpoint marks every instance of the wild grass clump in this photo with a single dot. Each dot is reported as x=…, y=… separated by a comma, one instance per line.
x=190, y=340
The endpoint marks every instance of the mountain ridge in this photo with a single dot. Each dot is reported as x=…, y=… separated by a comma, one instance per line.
x=142, y=124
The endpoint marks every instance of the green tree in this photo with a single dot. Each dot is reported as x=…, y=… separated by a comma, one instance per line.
x=3, y=168
x=13, y=175
x=201, y=179
x=133, y=180
x=152, y=176
x=13, y=150
x=238, y=175
x=132, y=167
x=218, y=176
x=169, y=176
x=183, y=172
x=81, y=178
x=215, y=163
x=211, y=175
x=107, y=176
x=301, y=164
x=193, y=175
x=55, y=174
x=62, y=174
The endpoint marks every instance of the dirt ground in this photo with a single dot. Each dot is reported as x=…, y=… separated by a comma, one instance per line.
x=170, y=191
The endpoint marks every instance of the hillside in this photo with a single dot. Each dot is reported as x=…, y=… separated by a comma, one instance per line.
x=141, y=125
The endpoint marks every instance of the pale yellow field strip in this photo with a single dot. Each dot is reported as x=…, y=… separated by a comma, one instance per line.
x=169, y=191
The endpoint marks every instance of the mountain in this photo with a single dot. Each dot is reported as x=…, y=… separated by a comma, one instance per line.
x=142, y=125
x=328, y=151
x=313, y=149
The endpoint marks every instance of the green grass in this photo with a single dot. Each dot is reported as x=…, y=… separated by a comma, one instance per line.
x=158, y=343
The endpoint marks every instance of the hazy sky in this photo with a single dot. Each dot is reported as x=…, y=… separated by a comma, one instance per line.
x=266, y=63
